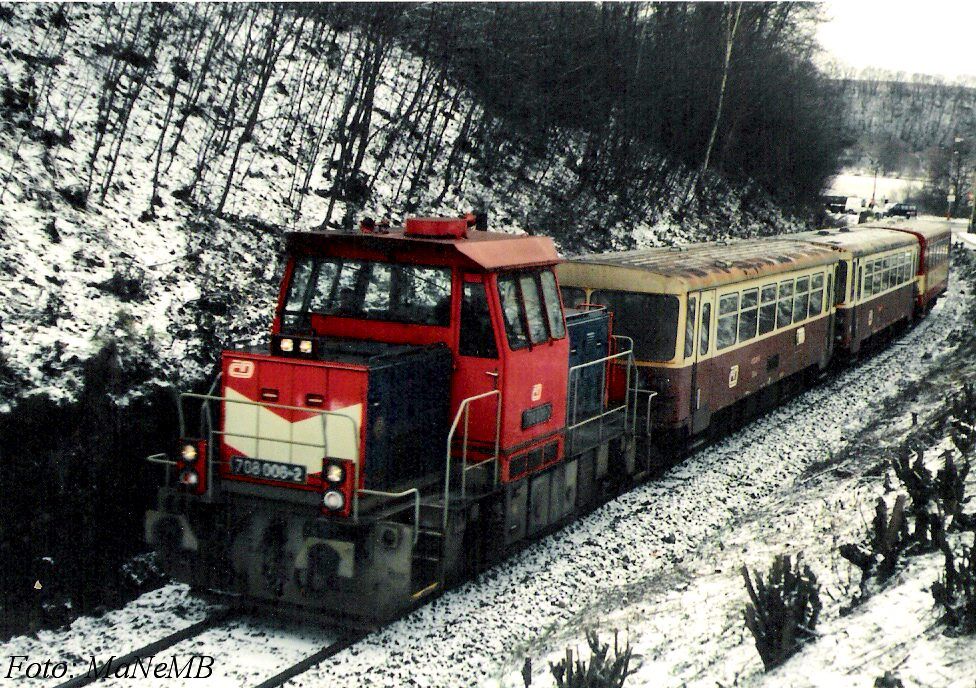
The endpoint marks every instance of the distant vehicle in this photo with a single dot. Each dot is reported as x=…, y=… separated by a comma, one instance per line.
x=902, y=210
x=851, y=205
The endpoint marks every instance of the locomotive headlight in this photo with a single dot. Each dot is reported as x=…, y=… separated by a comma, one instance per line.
x=305, y=346
x=189, y=453
x=189, y=477
x=333, y=500
x=287, y=345
x=335, y=473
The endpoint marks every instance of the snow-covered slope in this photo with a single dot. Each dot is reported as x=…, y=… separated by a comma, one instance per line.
x=92, y=258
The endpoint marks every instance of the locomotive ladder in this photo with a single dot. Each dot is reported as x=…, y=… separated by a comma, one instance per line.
x=430, y=550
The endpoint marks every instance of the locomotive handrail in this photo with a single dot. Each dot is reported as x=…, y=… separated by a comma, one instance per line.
x=396, y=495
x=160, y=458
x=465, y=408
x=631, y=370
x=650, y=395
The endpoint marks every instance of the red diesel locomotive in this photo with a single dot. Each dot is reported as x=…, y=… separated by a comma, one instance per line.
x=423, y=407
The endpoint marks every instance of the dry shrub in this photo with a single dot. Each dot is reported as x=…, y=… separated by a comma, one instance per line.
x=783, y=610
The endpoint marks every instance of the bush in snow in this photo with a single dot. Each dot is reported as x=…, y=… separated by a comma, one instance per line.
x=605, y=670
x=886, y=541
x=962, y=423
x=783, y=609
x=889, y=680
x=951, y=486
x=922, y=489
x=956, y=589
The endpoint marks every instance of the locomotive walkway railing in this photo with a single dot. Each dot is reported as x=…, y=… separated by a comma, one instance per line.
x=464, y=410
x=601, y=418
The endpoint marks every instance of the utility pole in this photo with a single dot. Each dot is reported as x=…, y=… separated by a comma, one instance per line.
x=972, y=201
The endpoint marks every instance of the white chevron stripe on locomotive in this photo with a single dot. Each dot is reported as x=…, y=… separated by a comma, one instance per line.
x=260, y=433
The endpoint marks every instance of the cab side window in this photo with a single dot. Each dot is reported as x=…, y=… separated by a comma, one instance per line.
x=477, y=337
x=553, y=310
x=508, y=292
x=531, y=308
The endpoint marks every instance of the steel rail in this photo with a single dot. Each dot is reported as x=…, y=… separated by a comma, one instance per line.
x=312, y=660
x=153, y=648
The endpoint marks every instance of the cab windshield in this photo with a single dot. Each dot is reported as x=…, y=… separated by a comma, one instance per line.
x=370, y=290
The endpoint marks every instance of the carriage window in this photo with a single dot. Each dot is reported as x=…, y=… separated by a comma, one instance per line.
x=727, y=327
x=816, y=303
x=767, y=318
x=706, y=326
x=533, y=309
x=299, y=284
x=690, y=326
x=554, y=311
x=749, y=316
x=728, y=321
x=477, y=338
x=749, y=298
x=801, y=300
x=800, y=304
x=784, y=314
x=651, y=320
x=767, y=312
x=747, y=324
x=728, y=304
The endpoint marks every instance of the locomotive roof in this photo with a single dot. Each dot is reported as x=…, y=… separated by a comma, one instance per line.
x=688, y=268
x=485, y=250
x=863, y=240
x=925, y=228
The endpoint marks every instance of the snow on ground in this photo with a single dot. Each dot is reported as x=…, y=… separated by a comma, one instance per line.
x=150, y=617
x=660, y=563
x=536, y=603
x=686, y=626
x=245, y=650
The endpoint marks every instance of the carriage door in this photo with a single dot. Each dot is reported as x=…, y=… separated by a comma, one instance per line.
x=703, y=347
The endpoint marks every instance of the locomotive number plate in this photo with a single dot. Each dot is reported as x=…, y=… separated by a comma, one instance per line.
x=267, y=470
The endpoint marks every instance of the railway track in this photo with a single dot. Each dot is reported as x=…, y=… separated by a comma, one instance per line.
x=153, y=648
x=213, y=622
x=312, y=660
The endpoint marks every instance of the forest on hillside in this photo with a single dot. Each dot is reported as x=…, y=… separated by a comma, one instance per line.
x=627, y=106
x=914, y=126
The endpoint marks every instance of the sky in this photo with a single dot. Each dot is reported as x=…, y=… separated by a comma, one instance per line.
x=914, y=36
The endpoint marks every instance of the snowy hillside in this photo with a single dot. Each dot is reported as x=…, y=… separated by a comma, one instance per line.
x=147, y=171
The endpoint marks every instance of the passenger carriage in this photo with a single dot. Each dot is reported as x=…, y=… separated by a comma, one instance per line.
x=715, y=326
x=934, y=237
x=876, y=281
